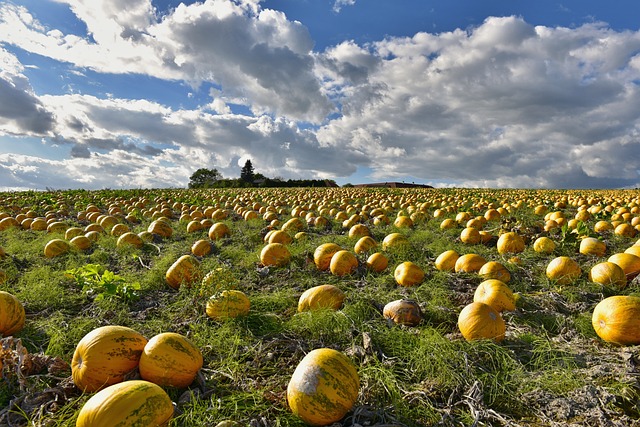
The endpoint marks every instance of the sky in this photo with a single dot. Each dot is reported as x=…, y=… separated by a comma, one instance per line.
x=119, y=94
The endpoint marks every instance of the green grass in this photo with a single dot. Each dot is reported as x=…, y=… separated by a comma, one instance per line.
x=413, y=376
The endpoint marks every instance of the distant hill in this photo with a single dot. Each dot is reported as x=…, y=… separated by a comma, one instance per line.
x=393, y=185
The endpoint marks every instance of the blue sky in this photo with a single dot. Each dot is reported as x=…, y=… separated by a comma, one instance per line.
x=141, y=93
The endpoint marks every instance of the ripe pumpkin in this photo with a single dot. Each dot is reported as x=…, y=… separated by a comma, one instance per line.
x=592, y=246
x=343, y=263
x=495, y=293
x=81, y=242
x=170, y=359
x=510, y=243
x=186, y=270
x=470, y=236
x=377, y=262
x=201, y=248
x=160, y=228
x=365, y=244
x=446, y=261
x=494, y=270
x=323, y=387
x=630, y=263
x=129, y=403
x=403, y=312
x=469, y=263
x=280, y=236
x=275, y=255
x=323, y=254
x=105, y=355
x=229, y=303
x=394, y=240
x=608, y=274
x=359, y=230
x=544, y=245
x=481, y=321
x=563, y=270
x=616, y=319
x=12, y=315
x=56, y=247
x=129, y=238
x=408, y=274
x=321, y=297
x=219, y=230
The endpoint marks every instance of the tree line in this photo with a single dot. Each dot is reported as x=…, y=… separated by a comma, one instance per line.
x=212, y=178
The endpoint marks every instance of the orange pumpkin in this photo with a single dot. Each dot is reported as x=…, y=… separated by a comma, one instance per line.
x=608, y=274
x=105, y=355
x=321, y=297
x=170, y=359
x=323, y=387
x=186, y=270
x=495, y=293
x=323, y=254
x=12, y=315
x=616, y=319
x=408, y=274
x=494, y=270
x=275, y=255
x=343, y=263
x=227, y=304
x=563, y=270
x=481, y=321
x=377, y=262
x=510, y=243
x=446, y=261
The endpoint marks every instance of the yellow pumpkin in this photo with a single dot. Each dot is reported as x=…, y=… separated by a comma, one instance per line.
x=105, y=356
x=403, y=312
x=323, y=387
x=408, y=274
x=160, y=228
x=544, y=245
x=229, y=303
x=323, y=254
x=377, y=262
x=481, y=321
x=470, y=236
x=129, y=238
x=608, y=274
x=56, y=247
x=343, y=263
x=12, y=315
x=280, y=236
x=129, y=403
x=194, y=226
x=469, y=263
x=321, y=297
x=394, y=240
x=219, y=230
x=201, y=248
x=81, y=242
x=446, y=261
x=359, y=230
x=170, y=359
x=563, y=270
x=630, y=263
x=494, y=270
x=275, y=255
x=495, y=293
x=365, y=244
x=616, y=319
x=510, y=243
x=186, y=270
x=592, y=246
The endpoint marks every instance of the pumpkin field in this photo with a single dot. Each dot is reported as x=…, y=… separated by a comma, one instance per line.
x=270, y=307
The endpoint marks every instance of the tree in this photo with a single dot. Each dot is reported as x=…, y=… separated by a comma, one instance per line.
x=246, y=174
x=204, y=178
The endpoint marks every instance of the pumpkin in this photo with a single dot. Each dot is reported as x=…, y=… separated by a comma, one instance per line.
x=446, y=261
x=510, y=243
x=563, y=270
x=275, y=255
x=469, y=263
x=279, y=236
x=321, y=297
x=12, y=315
x=365, y=244
x=616, y=319
x=293, y=225
x=10, y=222
x=494, y=270
x=323, y=254
x=119, y=229
x=72, y=232
x=186, y=270
x=481, y=321
x=194, y=226
x=170, y=359
x=630, y=263
x=408, y=274
x=129, y=238
x=625, y=230
x=495, y=293
x=129, y=403
x=592, y=246
x=544, y=245
x=403, y=222
x=343, y=263
x=359, y=230
x=323, y=387
x=394, y=240
x=56, y=247
x=105, y=355
x=161, y=228
x=219, y=230
x=377, y=262
x=403, y=312
x=608, y=274
x=201, y=248
x=470, y=236
x=81, y=242
x=229, y=303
